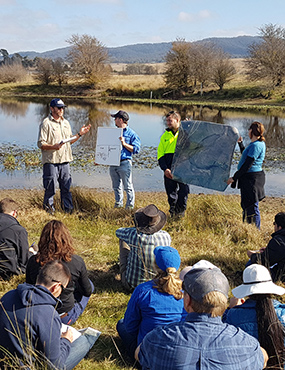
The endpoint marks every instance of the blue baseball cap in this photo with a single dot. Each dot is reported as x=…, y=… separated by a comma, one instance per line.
x=166, y=257
x=57, y=103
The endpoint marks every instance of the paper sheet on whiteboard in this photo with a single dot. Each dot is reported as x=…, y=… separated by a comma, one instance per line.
x=108, y=146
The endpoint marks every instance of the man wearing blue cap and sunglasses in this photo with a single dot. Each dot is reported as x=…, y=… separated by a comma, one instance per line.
x=54, y=140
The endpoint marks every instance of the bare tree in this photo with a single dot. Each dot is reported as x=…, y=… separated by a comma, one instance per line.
x=267, y=59
x=44, y=71
x=12, y=73
x=201, y=63
x=223, y=69
x=177, y=72
x=60, y=71
x=89, y=59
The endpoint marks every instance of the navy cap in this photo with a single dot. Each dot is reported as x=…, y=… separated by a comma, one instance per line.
x=121, y=114
x=166, y=257
x=57, y=103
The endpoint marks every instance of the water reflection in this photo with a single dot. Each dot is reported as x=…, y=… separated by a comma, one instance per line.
x=20, y=119
x=13, y=108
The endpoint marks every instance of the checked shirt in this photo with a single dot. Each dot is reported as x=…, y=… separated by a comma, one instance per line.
x=141, y=259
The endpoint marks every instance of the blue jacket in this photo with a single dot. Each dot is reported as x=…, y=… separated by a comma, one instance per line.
x=28, y=319
x=244, y=316
x=130, y=138
x=149, y=308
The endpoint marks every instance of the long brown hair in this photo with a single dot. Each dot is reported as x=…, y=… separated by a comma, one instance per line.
x=270, y=330
x=55, y=243
x=168, y=282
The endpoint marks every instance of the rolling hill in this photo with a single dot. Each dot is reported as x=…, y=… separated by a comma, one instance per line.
x=236, y=47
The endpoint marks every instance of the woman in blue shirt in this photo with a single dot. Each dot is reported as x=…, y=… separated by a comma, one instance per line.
x=259, y=315
x=156, y=302
x=250, y=176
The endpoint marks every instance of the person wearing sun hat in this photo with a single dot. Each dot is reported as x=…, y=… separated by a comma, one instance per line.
x=137, y=260
x=202, y=340
x=156, y=302
x=259, y=315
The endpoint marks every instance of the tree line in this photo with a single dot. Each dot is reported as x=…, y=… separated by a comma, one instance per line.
x=188, y=66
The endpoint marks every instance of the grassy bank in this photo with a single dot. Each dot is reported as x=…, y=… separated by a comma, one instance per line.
x=212, y=229
x=238, y=93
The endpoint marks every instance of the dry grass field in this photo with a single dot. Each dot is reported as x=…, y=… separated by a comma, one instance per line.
x=212, y=229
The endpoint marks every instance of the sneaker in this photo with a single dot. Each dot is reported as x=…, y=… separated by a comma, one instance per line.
x=90, y=331
x=129, y=208
x=49, y=209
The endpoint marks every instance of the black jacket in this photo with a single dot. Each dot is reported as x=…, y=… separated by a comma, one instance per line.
x=78, y=286
x=274, y=254
x=14, y=247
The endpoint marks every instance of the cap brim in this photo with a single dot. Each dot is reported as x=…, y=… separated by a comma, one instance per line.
x=269, y=287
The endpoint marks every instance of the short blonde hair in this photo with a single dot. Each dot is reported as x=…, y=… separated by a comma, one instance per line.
x=214, y=303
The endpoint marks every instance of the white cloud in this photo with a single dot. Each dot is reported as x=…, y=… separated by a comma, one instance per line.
x=194, y=17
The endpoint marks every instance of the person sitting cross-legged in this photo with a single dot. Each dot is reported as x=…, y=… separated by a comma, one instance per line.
x=137, y=262
x=30, y=327
x=56, y=243
x=259, y=315
x=156, y=302
x=273, y=255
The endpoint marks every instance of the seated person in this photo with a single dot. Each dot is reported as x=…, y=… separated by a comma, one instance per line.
x=259, y=316
x=137, y=263
x=202, y=340
x=30, y=328
x=156, y=302
x=14, y=246
x=56, y=244
x=273, y=256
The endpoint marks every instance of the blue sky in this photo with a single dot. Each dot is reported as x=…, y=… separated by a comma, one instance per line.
x=41, y=25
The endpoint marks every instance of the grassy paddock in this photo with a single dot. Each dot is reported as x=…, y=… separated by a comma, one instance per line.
x=212, y=229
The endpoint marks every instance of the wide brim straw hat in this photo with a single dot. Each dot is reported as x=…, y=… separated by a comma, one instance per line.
x=257, y=280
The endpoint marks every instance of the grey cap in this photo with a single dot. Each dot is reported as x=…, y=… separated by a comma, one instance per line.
x=200, y=281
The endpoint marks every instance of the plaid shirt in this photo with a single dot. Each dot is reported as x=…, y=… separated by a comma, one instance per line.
x=141, y=259
x=201, y=342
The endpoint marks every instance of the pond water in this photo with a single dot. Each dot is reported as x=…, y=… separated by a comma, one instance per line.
x=20, y=119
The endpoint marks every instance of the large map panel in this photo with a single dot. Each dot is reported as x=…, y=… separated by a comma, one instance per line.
x=204, y=153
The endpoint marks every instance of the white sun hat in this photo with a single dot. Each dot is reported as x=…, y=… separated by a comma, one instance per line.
x=257, y=280
x=202, y=264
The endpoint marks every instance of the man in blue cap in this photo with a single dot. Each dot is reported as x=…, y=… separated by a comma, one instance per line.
x=121, y=175
x=55, y=137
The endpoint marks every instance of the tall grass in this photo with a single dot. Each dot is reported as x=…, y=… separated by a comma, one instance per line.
x=212, y=229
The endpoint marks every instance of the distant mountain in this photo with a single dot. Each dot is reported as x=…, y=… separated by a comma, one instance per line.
x=236, y=47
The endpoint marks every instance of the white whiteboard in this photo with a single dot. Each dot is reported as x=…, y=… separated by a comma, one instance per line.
x=108, y=146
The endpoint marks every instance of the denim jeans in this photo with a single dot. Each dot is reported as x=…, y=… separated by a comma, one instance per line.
x=129, y=340
x=79, y=349
x=53, y=173
x=78, y=308
x=122, y=176
x=252, y=215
